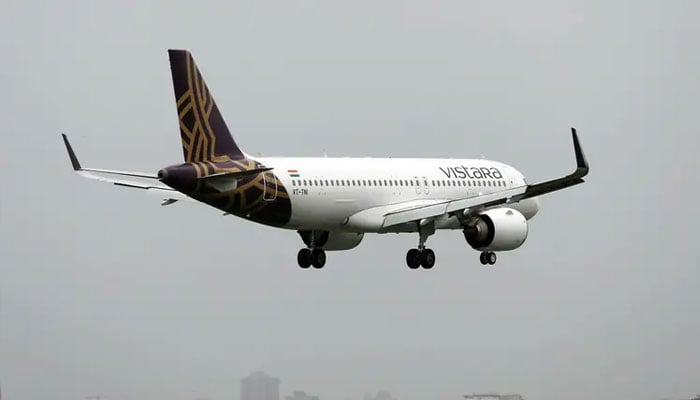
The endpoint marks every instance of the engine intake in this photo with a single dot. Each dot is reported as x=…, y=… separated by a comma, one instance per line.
x=499, y=229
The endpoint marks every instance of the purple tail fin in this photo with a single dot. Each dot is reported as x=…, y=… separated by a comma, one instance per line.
x=205, y=136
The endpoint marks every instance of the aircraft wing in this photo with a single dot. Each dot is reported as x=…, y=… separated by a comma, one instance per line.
x=474, y=204
x=148, y=182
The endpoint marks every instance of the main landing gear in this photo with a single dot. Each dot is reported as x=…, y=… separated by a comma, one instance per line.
x=416, y=258
x=487, y=257
x=313, y=254
x=422, y=256
x=309, y=257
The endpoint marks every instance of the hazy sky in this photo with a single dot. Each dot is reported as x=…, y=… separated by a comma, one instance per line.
x=105, y=292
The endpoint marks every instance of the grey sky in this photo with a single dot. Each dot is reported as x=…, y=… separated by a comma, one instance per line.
x=102, y=291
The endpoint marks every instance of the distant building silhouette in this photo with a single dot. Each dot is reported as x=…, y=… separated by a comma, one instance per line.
x=493, y=396
x=260, y=386
x=301, y=395
x=381, y=395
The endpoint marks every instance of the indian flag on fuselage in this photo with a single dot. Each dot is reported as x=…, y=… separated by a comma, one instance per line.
x=293, y=173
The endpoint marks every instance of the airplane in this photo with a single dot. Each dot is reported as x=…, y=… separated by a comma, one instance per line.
x=333, y=202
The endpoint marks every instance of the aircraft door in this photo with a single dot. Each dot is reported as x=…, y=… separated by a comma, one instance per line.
x=269, y=186
x=416, y=181
x=426, y=188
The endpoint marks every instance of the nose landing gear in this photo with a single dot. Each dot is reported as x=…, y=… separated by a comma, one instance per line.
x=487, y=257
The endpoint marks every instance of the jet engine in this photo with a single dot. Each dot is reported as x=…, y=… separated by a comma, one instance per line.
x=498, y=229
x=331, y=240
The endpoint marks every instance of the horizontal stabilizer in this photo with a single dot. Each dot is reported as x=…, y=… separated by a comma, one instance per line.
x=226, y=181
x=135, y=180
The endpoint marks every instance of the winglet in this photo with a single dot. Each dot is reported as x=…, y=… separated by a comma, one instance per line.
x=71, y=154
x=581, y=163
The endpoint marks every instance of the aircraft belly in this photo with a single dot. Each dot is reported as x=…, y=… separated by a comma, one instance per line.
x=320, y=212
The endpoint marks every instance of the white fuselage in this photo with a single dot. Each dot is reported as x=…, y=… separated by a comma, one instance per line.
x=335, y=193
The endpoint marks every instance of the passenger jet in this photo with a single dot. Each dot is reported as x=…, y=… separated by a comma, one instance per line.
x=333, y=202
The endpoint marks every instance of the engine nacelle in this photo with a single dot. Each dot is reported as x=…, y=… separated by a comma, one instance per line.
x=498, y=229
x=332, y=240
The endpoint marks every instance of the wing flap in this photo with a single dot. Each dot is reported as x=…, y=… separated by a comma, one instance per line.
x=374, y=219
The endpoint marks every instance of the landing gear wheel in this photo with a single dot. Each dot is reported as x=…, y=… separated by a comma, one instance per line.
x=491, y=258
x=318, y=258
x=427, y=258
x=413, y=258
x=304, y=258
x=487, y=257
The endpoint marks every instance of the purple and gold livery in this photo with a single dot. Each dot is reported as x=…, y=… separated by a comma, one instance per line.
x=209, y=150
x=338, y=200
